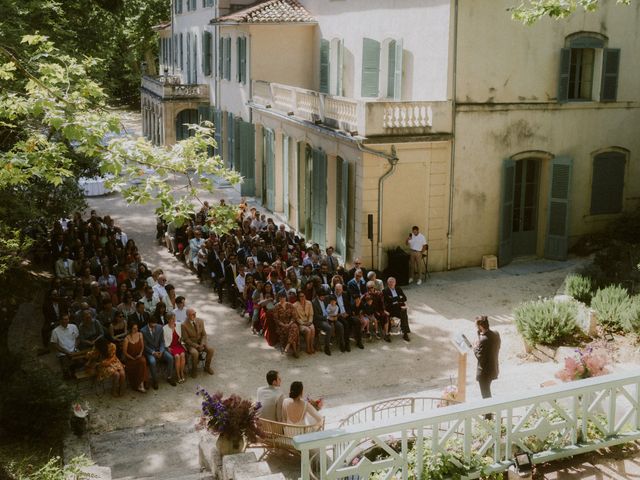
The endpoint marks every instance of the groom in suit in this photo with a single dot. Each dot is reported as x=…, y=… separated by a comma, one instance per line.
x=156, y=351
x=194, y=337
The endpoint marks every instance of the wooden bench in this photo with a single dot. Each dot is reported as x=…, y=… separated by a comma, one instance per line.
x=278, y=436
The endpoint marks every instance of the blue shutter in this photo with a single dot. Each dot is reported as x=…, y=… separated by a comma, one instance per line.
x=610, y=68
x=557, y=244
x=325, y=48
x=370, y=68
x=505, y=247
x=607, y=185
x=563, y=78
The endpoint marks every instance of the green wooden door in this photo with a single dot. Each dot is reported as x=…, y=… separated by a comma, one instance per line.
x=246, y=143
x=269, y=177
x=319, y=196
x=183, y=119
x=505, y=244
x=342, y=205
x=557, y=243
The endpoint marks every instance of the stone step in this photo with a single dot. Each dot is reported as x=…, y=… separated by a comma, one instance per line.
x=174, y=476
x=251, y=471
x=230, y=462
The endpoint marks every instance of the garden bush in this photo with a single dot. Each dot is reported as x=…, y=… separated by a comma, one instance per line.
x=614, y=308
x=578, y=287
x=546, y=322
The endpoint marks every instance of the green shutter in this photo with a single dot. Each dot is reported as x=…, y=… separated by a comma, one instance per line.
x=607, y=185
x=247, y=140
x=243, y=60
x=325, y=48
x=557, y=244
x=563, y=78
x=227, y=53
x=195, y=58
x=319, y=197
x=286, y=141
x=217, y=134
x=397, y=71
x=206, y=53
x=342, y=205
x=220, y=58
x=610, y=68
x=505, y=243
x=370, y=67
x=230, y=138
x=391, y=69
x=181, y=53
x=269, y=169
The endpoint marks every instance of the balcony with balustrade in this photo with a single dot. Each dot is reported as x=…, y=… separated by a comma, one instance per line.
x=170, y=87
x=365, y=118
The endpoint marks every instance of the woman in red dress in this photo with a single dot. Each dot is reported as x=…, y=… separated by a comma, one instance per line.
x=172, y=338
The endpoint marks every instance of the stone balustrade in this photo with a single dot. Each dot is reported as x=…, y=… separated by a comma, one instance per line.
x=361, y=117
x=170, y=86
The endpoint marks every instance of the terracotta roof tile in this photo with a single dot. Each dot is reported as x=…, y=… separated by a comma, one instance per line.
x=270, y=11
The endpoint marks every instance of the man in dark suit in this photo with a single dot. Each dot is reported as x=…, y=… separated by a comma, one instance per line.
x=156, y=351
x=486, y=350
x=215, y=264
x=140, y=317
x=357, y=286
x=350, y=324
x=267, y=254
x=357, y=265
x=395, y=302
x=231, y=270
x=321, y=323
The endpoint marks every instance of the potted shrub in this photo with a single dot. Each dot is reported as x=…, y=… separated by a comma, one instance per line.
x=234, y=419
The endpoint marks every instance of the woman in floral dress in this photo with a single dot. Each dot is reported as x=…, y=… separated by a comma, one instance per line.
x=103, y=360
x=284, y=315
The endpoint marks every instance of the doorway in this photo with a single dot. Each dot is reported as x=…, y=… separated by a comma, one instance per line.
x=525, y=206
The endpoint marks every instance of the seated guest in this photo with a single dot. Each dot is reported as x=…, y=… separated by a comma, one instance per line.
x=171, y=297
x=351, y=324
x=128, y=306
x=270, y=397
x=64, y=341
x=150, y=300
x=140, y=316
x=172, y=338
x=107, y=280
x=107, y=314
x=89, y=331
x=156, y=351
x=321, y=323
x=52, y=309
x=375, y=299
x=396, y=304
x=304, y=313
x=180, y=311
x=194, y=337
x=64, y=267
x=285, y=316
x=102, y=358
x=159, y=289
x=160, y=313
x=296, y=410
x=371, y=277
x=357, y=286
x=118, y=329
x=134, y=363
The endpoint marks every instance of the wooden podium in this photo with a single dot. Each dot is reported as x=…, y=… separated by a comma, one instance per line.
x=463, y=347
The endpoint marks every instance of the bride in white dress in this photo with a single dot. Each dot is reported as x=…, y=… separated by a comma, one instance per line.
x=297, y=411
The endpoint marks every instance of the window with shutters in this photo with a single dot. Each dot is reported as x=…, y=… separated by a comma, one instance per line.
x=241, y=47
x=325, y=69
x=382, y=68
x=370, y=68
x=206, y=53
x=192, y=5
x=178, y=6
x=607, y=183
x=588, y=70
x=208, y=3
x=195, y=59
x=227, y=58
x=181, y=52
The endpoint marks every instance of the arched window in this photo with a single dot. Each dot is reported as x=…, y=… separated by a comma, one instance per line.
x=189, y=116
x=607, y=182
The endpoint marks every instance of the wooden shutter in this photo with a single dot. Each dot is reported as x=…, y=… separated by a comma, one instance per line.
x=563, y=78
x=195, y=59
x=325, y=49
x=188, y=58
x=230, y=137
x=181, y=53
x=269, y=168
x=339, y=67
x=397, y=71
x=557, y=244
x=319, y=197
x=241, y=46
x=227, y=53
x=217, y=134
x=342, y=205
x=178, y=6
x=610, y=68
x=220, y=58
x=370, y=67
x=247, y=136
x=607, y=185
x=206, y=53
x=286, y=142
x=505, y=247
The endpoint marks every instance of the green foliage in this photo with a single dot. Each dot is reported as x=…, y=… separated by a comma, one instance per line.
x=34, y=403
x=54, y=469
x=614, y=308
x=13, y=247
x=578, y=287
x=546, y=322
x=530, y=11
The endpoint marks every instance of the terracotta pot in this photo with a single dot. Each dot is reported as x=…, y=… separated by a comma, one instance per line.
x=228, y=445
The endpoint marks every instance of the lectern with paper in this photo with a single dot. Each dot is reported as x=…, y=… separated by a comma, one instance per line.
x=463, y=346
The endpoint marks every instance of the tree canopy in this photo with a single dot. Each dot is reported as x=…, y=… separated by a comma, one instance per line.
x=530, y=11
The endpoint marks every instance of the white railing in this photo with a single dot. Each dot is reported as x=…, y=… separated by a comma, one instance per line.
x=580, y=416
x=170, y=87
x=364, y=117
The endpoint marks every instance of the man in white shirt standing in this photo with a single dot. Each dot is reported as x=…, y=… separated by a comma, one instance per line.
x=270, y=397
x=418, y=245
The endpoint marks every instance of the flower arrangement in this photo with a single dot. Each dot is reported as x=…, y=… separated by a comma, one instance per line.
x=449, y=395
x=317, y=403
x=584, y=364
x=232, y=416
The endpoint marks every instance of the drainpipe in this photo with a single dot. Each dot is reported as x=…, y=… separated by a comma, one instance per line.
x=453, y=132
x=393, y=161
